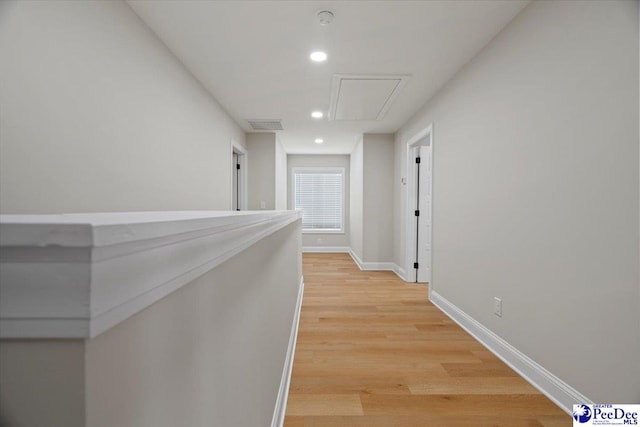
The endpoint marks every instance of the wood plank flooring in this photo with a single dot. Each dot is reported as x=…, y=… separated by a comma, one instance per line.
x=372, y=351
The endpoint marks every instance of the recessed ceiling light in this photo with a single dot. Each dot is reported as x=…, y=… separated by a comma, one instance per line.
x=317, y=114
x=318, y=56
x=318, y=140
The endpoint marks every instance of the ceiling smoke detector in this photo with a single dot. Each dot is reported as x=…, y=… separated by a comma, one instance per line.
x=325, y=17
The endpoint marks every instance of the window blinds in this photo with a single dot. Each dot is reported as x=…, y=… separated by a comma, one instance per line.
x=320, y=195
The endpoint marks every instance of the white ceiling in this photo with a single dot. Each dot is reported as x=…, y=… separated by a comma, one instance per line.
x=253, y=56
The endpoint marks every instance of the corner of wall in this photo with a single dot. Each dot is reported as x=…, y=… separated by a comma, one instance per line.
x=356, y=198
x=377, y=218
x=262, y=170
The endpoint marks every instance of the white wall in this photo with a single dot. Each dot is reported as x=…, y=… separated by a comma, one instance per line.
x=97, y=115
x=281, y=176
x=399, y=201
x=42, y=383
x=267, y=172
x=212, y=353
x=316, y=161
x=372, y=198
x=377, y=198
x=536, y=191
x=356, y=197
x=262, y=170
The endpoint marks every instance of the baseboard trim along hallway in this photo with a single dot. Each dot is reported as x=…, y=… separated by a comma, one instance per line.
x=561, y=393
x=285, y=381
x=377, y=266
x=365, y=266
x=326, y=249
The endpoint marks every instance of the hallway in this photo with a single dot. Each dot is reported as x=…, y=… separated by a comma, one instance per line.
x=372, y=351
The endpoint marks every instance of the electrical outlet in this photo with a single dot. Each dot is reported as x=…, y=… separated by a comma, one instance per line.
x=497, y=306
x=263, y=205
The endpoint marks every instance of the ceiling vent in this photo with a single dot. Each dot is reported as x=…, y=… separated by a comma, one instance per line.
x=266, y=124
x=362, y=97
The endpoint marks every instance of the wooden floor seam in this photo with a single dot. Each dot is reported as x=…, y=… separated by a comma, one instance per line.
x=373, y=351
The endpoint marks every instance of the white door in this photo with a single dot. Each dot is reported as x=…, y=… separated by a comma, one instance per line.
x=235, y=196
x=423, y=246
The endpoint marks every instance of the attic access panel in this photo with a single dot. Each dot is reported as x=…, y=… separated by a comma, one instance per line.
x=364, y=97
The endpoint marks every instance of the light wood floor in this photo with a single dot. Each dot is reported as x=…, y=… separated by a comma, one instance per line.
x=372, y=351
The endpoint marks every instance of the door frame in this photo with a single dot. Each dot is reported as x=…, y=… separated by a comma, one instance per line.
x=243, y=161
x=410, y=239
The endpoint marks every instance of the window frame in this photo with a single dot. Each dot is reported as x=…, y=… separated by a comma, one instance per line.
x=328, y=170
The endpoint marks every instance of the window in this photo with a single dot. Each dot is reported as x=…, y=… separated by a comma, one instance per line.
x=319, y=193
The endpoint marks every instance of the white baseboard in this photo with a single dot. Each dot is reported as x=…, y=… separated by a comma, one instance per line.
x=377, y=266
x=326, y=249
x=400, y=272
x=561, y=393
x=285, y=381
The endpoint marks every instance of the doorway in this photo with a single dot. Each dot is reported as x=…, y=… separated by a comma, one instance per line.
x=239, y=163
x=419, y=219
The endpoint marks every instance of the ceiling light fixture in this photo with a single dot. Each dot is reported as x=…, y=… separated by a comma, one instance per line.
x=318, y=56
x=318, y=140
x=317, y=114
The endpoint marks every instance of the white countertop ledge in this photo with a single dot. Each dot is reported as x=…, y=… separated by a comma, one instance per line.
x=77, y=275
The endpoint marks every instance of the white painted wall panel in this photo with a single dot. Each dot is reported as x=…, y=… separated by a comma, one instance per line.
x=536, y=191
x=377, y=208
x=98, y=116
x=281, y=176
x=356, y=199
x=262, y=170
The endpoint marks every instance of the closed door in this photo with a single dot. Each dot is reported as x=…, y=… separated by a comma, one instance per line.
x=234, y=183
x=423, y=246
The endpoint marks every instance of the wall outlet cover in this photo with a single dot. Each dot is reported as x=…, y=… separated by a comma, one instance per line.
x=497, y=306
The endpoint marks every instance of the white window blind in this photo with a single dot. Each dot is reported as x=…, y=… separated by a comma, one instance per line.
x=319, y=193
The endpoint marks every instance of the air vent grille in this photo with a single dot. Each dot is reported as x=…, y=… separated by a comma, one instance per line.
x=266, y=124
